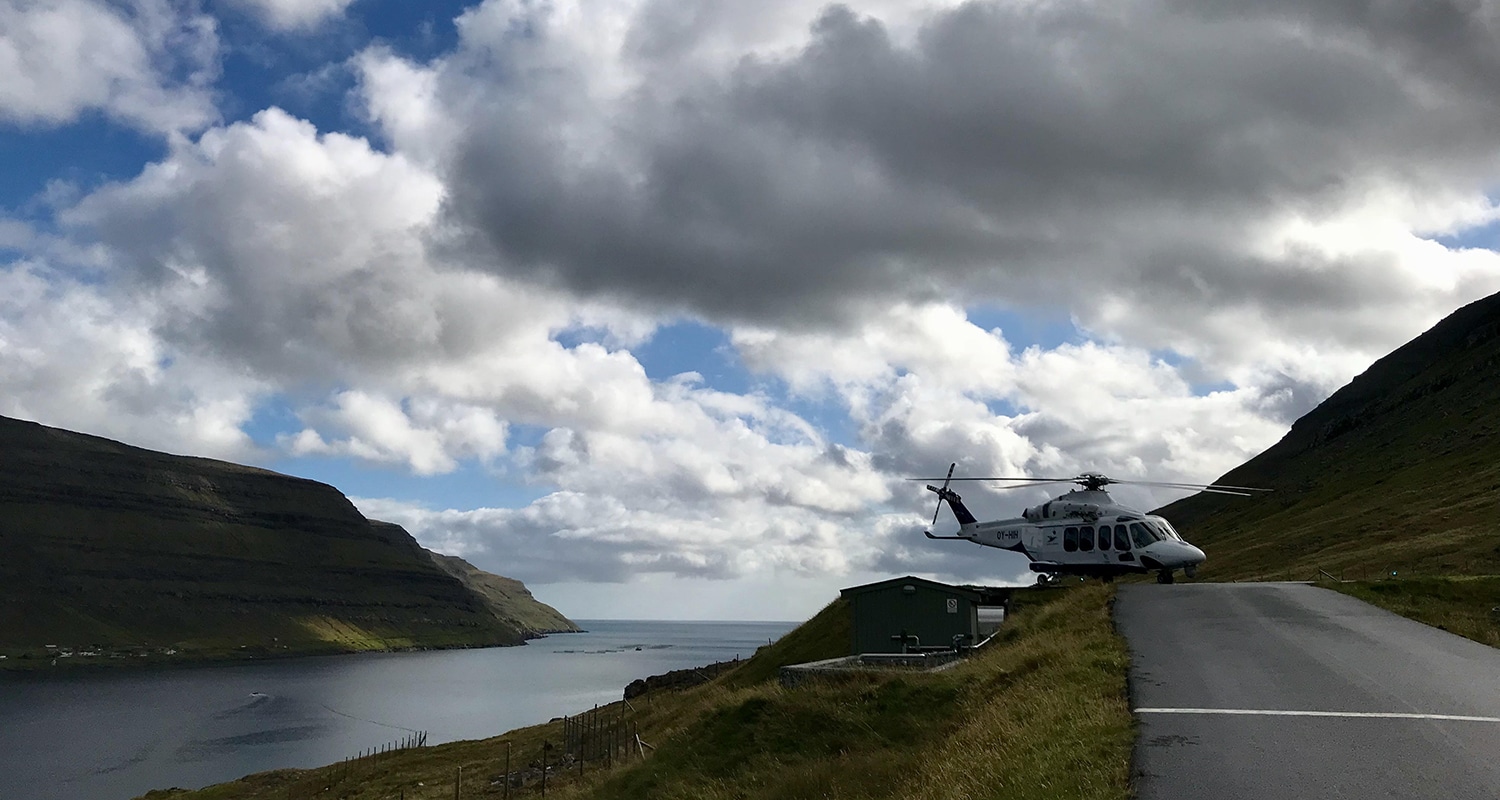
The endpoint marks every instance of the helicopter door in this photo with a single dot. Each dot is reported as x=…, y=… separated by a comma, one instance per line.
x=1122, y=544
x=1095, y=546
x=1105, y=543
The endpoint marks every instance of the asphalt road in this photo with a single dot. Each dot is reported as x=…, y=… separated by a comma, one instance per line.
x=1399, y=710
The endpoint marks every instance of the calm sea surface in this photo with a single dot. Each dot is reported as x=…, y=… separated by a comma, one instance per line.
x=113, y=736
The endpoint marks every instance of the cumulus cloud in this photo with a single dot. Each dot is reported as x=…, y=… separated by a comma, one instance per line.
x=812, y=166
x=75, y=356
x=927, y=387
x=295, y=253
x=725, y=486
x=1232, y=210
x=147, y=63
x=428, y=435
x=569, y=536
x=295, y=15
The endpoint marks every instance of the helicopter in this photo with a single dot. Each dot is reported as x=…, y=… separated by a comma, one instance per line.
x=1084, y=532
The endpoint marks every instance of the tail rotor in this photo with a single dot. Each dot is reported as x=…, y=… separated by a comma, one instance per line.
x=942, y=495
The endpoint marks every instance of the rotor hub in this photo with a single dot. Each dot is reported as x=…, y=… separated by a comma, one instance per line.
x=1093, y=481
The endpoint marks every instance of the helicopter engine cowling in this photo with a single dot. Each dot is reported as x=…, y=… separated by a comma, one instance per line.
x=1060, y=508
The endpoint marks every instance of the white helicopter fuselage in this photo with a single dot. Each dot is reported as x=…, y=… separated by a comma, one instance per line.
x=1083, y=532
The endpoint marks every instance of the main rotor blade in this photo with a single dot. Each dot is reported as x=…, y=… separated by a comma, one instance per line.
x=1213, y=490
x=1166, y=485
x=1028, y=480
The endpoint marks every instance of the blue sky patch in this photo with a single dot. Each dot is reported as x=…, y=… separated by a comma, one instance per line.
x=87, y=154
x=1045, y=329
x=470, y=486
x=1486, y=237
x=694, y=347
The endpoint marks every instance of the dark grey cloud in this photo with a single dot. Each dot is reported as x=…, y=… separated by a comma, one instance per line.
x=1286, y=399
x=1122, y=144
x=1451, y=42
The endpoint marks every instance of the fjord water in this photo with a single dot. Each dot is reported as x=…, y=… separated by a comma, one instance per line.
x=112, y=735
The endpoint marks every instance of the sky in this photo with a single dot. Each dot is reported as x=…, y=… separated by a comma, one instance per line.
x=654, y=304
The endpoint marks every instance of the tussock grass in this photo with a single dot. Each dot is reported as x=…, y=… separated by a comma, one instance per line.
x=1042, y=713
x=1467, y=606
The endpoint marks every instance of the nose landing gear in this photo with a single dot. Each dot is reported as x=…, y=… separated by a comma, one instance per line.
x=1164, y=576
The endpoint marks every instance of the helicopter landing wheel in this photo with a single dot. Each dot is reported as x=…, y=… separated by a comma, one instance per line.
x=1164, y=576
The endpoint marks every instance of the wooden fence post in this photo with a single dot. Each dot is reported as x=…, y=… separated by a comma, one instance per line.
x=545, y=747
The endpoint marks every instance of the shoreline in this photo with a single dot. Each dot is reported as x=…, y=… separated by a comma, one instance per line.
x=71, y=662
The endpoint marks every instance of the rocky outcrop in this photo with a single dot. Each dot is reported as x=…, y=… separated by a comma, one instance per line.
x=678, y=679
x=112, y=546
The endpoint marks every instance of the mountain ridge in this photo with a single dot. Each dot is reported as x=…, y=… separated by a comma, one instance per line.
x=508, y=598
x=122, y=551
x=1398, y=471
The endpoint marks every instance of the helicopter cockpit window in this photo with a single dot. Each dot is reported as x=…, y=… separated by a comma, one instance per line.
x=1122, y=538
x=1162, y=530
x=1142, y=535
x=1171, y=531
x=1070, y=539
x=1086, y=538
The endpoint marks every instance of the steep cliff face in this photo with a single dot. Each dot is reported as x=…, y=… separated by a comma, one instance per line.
x=507, y=598
x=1397, y=471
x=133, y=550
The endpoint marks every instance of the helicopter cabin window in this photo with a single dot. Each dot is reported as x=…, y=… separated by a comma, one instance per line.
x=1103, y=537
x=1142, y=535
x=1122, y=538
x=1070, y=539
x=1086, y=538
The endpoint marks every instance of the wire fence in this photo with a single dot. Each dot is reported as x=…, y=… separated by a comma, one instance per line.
x=597, y=739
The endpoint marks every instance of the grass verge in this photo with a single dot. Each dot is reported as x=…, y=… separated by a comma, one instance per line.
x=1468, y=606
x=1042, y=713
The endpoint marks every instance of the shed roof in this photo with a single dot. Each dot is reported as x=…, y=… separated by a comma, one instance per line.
x=972, y=595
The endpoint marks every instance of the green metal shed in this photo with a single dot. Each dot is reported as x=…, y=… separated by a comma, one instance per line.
x=902, y=614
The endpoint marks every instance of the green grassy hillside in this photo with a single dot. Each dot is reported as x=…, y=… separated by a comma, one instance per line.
x=1468, y=606
x=1398, y=472
x=121, y=555
x=829, y=634
x=507, y=598
x=1041, y=714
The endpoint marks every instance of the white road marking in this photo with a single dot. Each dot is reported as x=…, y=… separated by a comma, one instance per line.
x=1259, y=712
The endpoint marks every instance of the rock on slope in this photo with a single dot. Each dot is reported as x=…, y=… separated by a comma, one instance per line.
x=103, y=544
x=1399, y=470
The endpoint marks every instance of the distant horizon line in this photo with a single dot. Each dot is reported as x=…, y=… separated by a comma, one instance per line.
x=580, y=621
